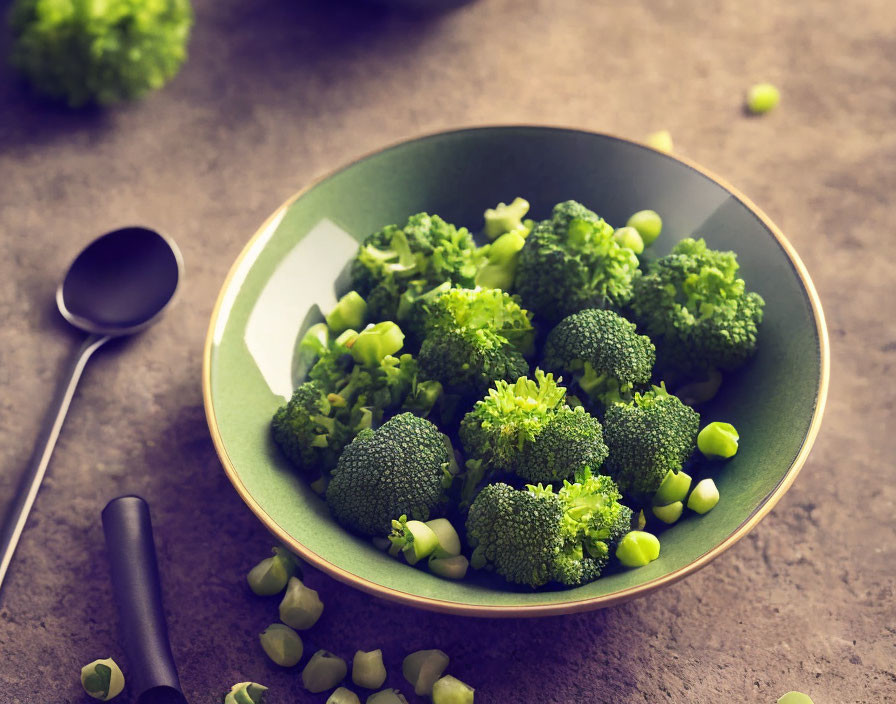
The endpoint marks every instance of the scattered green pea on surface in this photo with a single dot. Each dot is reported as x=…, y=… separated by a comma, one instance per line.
x=674, y=488
x=762, y=97
x=270, y=576
x=704, y=496
x=454, y=567
x=629, y=238
x=660, y=140
x=246, y=693
x=368, y=670
x=795, y=698
x=323, y=671
x=718, y=441
x=669, y=513
x=343, y=695
x=422, y=668
x=450, y=690
x=637, y=548
x=387, y=696
x=282, y=644
x=648, y=225
x=102, y=679
x=301, y=606
x=349, y=312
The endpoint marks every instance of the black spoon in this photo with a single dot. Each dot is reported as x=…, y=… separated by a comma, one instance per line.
x=117, y=286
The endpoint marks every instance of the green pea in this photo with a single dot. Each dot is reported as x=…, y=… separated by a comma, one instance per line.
x=718, y=441
x=648, y=223
x=669, y=513
x=343, y=695
x=282, y=644
x=246, y=693
x=422, y=668
x=629, y=238
x=301, y=606
x=323, y=671
x=674, y=488
x=387, y=696
x=102, y=679
x=762, y=97
x=368, y=670
x=704, y=496
x=795, y=698
x=270, y=575
x=637, y=548
x=450, y=690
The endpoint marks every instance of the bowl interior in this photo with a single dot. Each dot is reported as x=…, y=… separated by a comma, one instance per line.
x=296, y=263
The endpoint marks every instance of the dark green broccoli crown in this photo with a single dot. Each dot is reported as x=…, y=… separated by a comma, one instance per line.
x=426, y=249
x=571, y=262
x=469, y=361
x=692, y=302
x=654, y=433
x=593, y=520
x=602, y=351
x=516, y=534
x=570, y=441
x=306, y=431
x=395, y=470
x=87, y=52
x=480, y=309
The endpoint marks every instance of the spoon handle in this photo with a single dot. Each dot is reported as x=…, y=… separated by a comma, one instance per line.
x=43, y=449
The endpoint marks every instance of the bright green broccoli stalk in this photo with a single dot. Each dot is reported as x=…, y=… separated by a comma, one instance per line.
x=648, y=437
x=426, y=249
x=538, y=535
x=398, y=469
x=307, y=431
x=501, y=257
x=696, y=309
x=82, y=51
x=572, y=262
x=504, y=218
x=527, y=428
x=602, y=352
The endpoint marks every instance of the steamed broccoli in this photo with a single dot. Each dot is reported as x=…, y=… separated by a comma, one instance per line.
x=528, y=429
x=537, y=535
x=504, y=218
x=698, y=312
x=648, y=437
x=399, y=469
x=572, y=262
x=426, y=249
x=602, y=352
x=501, y=257
x=307, y=431
x=84, y=52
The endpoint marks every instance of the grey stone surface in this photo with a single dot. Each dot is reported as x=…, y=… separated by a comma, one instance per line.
x=278, y=91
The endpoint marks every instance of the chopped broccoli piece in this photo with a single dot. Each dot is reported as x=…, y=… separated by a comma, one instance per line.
x=389, y=472
x=426, y=249
x=696, y=309
x=648, y=437
x=537, y=536
x=375, y=342
x=307, y=431
x=572, y=262
x=504, y=218
x=349, y=312
x=602, y=352
x=526, y=428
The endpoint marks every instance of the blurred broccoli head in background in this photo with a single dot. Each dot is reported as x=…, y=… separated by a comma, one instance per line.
x=99, y=51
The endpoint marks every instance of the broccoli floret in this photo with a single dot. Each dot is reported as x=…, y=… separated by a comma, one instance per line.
x=648, y=437
x=537, y=536
x=467, y=362
x=696, y=309
x=504, y=218
x=425, y=249
x=527, y=428
x=602, y=352
x=398, y=469
x=572, y=262
x=501, y=257
x=90, y=52
x=307, y=432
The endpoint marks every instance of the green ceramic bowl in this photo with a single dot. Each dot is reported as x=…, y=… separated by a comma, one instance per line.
x=294, y=265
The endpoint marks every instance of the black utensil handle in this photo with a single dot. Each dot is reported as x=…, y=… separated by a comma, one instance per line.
x=151, y=674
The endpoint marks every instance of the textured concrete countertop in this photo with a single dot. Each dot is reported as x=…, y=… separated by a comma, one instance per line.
x=279, y=91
